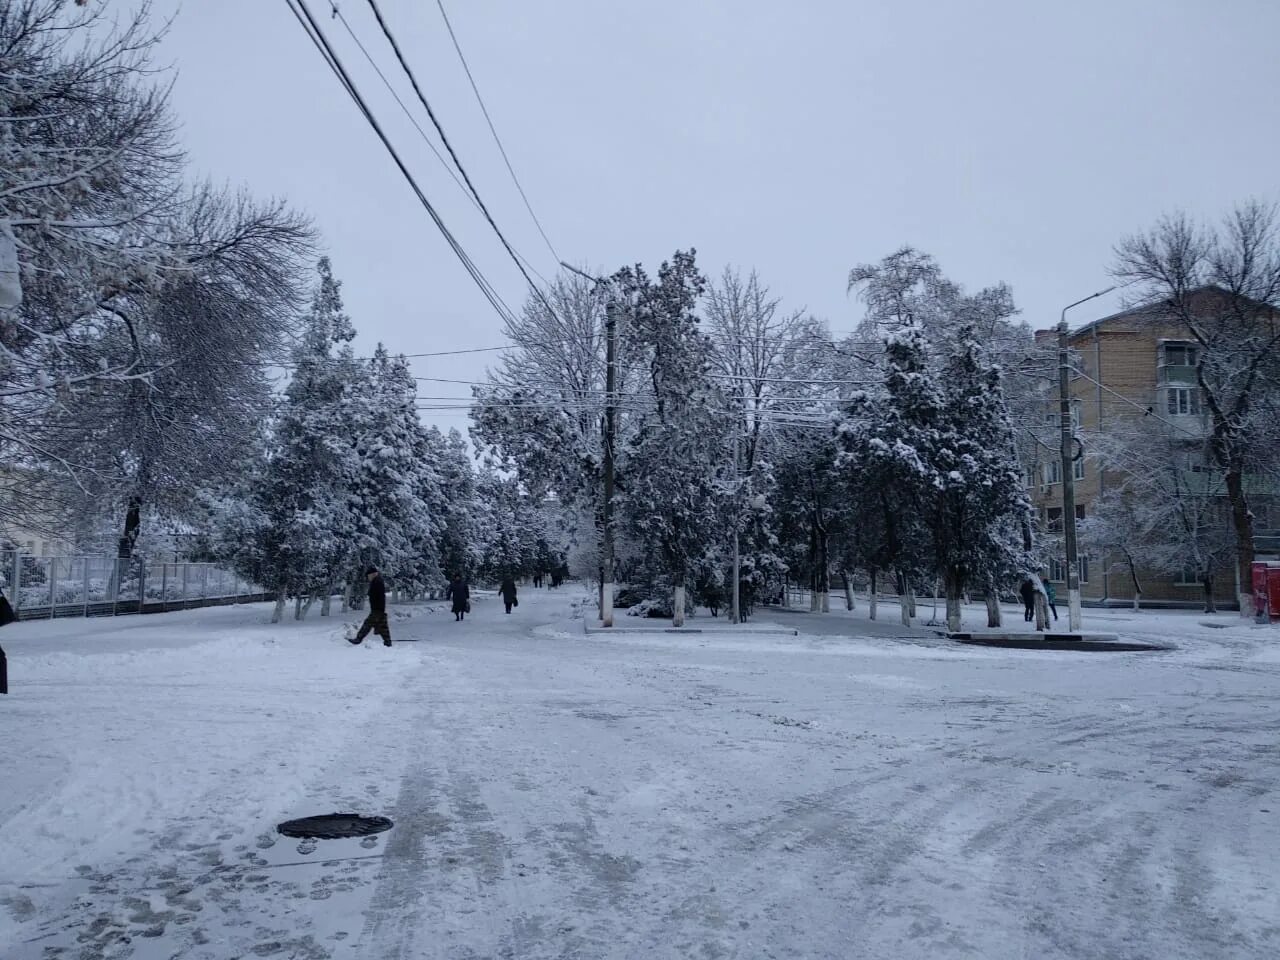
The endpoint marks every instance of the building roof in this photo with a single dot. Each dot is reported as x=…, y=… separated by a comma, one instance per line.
x=1143, y=308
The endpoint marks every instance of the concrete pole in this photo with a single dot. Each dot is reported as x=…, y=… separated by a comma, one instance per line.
x=1068, y=478
x=735, y=614
x=611, y=391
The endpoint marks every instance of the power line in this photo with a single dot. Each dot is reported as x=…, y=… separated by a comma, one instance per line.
x=413, y=80
x=417, y=126
x=493, y=130
x=317, y=37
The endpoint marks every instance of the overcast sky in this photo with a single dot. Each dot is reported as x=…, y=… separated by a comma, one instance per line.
x=1016, y=141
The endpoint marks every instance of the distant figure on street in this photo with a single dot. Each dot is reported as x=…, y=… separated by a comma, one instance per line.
x=1028, y=593
x=460, y=593
x=508, y=591
x=1052, y=596
x=377, y=618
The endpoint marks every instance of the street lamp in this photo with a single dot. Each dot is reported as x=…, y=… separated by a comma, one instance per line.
x=1068, y=478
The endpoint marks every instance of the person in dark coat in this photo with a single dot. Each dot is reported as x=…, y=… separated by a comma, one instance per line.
x=377, y=618
x=7, y=616
x=508, y=591
x=1052, y=596
x=1028, y=592
x=460, y=593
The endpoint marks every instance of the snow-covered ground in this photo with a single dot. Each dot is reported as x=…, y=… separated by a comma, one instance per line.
x=861, y=790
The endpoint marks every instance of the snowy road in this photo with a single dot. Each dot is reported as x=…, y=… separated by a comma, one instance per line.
x=558, y=795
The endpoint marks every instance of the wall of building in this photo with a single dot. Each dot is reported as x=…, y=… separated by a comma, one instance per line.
x=1123, y=355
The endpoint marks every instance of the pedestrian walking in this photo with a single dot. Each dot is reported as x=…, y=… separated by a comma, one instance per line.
x=1052, y=596
x=460, y=594
x=508, y=591
x=376, y=621
x=1028, y=593
x=7, y=616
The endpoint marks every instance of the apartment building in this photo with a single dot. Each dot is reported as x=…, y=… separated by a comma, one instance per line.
x=1137, y=375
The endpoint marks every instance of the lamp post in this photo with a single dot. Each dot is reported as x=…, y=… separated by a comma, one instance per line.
x=1068, y=458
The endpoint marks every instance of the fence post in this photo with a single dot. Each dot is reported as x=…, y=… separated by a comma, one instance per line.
x=85, y=561
x=185, y=568
x=164, y=586
x=17, y=581
x=52, y=574
x=142, y=582
x=204, y=584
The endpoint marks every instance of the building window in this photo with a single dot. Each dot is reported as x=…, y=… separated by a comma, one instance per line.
x=1180, y=355
x=1184, y=401
x=1077, y=469
x=1052, y=472
x=1053, y=519
x=1057, y=571
x=1188, y=576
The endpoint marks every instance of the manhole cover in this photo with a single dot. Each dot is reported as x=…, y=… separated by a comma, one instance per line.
x=334, y=826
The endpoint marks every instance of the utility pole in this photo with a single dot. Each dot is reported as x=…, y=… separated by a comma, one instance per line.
x=735, y=615
x=612, y=309
x=1068, y=478
x=1068, y=465
x=611, y=395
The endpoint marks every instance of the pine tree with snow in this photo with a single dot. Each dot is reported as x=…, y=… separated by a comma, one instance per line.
x=978, y=492
x=308, y=523
x=680, y=472
x=393, y=496
x=461, y=542
x=887, y=438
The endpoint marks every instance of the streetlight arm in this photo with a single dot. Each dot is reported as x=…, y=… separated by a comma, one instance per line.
x=1093, y=296
x=583, y=274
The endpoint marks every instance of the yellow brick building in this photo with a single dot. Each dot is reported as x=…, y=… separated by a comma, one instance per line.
x=1141, y=371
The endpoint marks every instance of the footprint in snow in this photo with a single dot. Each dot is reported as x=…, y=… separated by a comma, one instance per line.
x=369, y=842
x=266, y=841
x=308, y=845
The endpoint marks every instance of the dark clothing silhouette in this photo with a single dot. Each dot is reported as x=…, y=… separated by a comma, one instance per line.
x=376, y=621
x=460, y=593
x=1028, y=593
x=508, y=591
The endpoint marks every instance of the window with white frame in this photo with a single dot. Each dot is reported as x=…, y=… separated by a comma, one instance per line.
x=1051, y=472
x=1058, y=570
x=1183, y=401
x=1077, y=469
x=1180, y=355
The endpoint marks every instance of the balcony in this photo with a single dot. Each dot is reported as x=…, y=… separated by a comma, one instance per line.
x=1175, y=374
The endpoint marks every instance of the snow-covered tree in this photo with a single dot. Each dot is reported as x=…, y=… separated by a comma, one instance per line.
x=299, y=510
x=1170, y=506
x=394, y=494
x=679, y=472
x=886, y=437
x=978, y=490
x=461, y=543
x=123, y=288
x=1222, y=288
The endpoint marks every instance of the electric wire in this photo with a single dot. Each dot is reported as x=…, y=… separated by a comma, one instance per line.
x=337, y=12
x=413, y=81
x=304, y=16
x=496, y=139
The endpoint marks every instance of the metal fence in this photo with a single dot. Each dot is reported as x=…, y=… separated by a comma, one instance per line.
x=106, y=586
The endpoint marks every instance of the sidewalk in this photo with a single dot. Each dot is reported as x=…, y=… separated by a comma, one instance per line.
x=701, y=624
